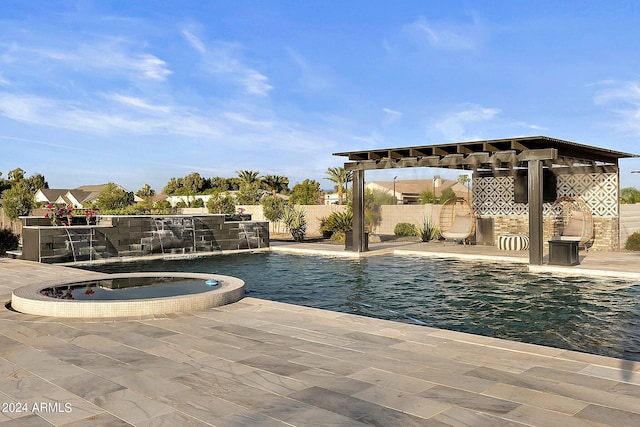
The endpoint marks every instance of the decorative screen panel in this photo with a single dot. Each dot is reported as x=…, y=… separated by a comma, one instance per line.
x=494, y=195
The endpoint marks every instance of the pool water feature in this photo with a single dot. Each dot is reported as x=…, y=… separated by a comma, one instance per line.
x=594, y=315
x=128, y=295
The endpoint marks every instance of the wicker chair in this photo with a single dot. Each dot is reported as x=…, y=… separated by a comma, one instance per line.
x=457, y=220
x=573, y=221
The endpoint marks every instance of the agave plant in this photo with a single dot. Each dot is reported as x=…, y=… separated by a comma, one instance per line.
x=296, y=222
x=428, y=231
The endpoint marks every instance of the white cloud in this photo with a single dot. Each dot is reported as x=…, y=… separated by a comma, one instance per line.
x=443, y=36
x=194, y=41
x=391, y=116
x=622, y=98
x=4, y=82
x=150, y=66
x=254, y=82
x=223, y=59
x=463, y=124
x=110, y=56
x=138, y=103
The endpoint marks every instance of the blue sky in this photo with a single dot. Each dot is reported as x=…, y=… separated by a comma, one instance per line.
x=138, y=92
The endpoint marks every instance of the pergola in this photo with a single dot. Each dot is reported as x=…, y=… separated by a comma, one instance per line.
x=496, y=157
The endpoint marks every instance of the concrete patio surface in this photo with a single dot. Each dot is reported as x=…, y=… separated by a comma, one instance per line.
x=264, y=363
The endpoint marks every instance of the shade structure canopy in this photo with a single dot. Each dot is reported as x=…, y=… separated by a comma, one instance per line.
x=485, y=155
x=489, y=158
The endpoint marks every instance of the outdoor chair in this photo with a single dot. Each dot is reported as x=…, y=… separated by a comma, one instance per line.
x=574, y=221
x=457, y=221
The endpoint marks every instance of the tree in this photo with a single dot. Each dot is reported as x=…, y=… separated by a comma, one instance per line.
x=341, y=177
x=18, y=200
x=248, y=177
x=16, y=175
x=221, y=203
x=629, y=195
x=372, y=209
x=426, y=197
x=249, y=193
x=275, y=183
x=146, y=191
x=464, y=179
x=193, y=183
x=113, y=197
x=173, y=186
x=218, y=182
x=37, y=182
x=306, y=193
x=272, y=207
x=447, y=194
x=4, y=184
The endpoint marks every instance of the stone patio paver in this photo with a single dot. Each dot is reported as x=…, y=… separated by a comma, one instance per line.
x=265, y=363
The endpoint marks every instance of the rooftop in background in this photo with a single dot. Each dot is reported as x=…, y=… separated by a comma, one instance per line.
x=566, y=150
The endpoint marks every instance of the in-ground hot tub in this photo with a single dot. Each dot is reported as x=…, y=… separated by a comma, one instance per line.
x=128, y=295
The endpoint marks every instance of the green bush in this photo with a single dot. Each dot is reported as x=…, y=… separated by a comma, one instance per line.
x=273, y=208
x=338, y=221
x=633, y=242
x=405, y=229
x=8, y=241
x=222, y=203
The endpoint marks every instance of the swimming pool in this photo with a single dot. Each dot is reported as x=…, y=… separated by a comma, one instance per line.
x=599, y=316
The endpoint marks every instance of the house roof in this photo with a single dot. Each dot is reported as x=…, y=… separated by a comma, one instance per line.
x=415, y=186
x=51, y=194
x=94, y=188
x=82, y=194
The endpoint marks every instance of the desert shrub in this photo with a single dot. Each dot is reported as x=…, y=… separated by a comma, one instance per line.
x=428, y=231
x=633, y=242
x=405, y=229
x=296, y=222
x=338, y=221
x=8, y=241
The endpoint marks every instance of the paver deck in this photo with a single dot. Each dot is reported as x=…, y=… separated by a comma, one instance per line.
x=265, y=363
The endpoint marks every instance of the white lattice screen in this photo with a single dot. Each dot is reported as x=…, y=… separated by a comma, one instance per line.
x=494, y=195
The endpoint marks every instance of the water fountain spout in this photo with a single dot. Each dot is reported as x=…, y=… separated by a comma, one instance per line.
x=73, y=250
x=155, y=222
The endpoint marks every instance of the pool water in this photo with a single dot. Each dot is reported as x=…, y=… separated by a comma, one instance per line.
x=599, y=316
x=129, y=289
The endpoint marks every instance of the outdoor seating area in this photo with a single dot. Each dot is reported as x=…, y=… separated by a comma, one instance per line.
x=530, y=189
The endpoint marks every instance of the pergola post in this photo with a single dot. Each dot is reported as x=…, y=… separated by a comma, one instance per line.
x=535, y=184
x=358, y=211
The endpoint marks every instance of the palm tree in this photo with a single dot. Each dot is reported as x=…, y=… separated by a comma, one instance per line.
x=341, y=177
x=248, y=177
x=275, y=183
x=463, y=179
